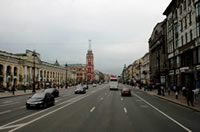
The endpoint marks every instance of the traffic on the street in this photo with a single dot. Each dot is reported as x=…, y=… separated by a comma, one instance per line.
x=100, y=109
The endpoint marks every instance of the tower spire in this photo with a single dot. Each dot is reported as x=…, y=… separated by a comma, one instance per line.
x=90, y=46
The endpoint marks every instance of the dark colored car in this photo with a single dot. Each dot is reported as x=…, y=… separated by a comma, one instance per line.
x=79, y=90
x=40, y=100
x=52, y=91
x=125, y=92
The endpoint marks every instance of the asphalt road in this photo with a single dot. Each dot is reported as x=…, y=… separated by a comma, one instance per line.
x=99, y=110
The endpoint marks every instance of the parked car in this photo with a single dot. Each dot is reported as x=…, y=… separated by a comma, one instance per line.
x=85, y=86
x=79, y=90
x=94, y=85
x=52, y=91
x=126, y=92
x=40, y=100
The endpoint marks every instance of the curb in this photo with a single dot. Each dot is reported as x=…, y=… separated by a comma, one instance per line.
x=192, y=108
x=10, y=96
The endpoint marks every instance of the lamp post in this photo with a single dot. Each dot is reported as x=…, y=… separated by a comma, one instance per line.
x=34, y=55
x=66, y=65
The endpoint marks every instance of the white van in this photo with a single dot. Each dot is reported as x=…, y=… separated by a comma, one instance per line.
x=113, y=84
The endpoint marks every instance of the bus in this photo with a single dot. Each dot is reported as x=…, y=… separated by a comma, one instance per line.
x=113, y=84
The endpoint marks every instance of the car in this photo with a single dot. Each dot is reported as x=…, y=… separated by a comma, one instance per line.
x=126, y=92
x=40, y=100
x=79, y=90
x=94, y=85
x=52, y=91
x=85, y=86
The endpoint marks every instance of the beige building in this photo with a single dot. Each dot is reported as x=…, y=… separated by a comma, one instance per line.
x=145, y=78
x=22, y=69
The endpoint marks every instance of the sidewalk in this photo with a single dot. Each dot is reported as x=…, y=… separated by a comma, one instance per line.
x=172, y=98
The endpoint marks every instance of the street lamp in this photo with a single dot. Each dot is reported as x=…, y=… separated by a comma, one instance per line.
x=34, y=55
x=66, y=65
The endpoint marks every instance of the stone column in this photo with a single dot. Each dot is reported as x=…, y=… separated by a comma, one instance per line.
x=4, y=75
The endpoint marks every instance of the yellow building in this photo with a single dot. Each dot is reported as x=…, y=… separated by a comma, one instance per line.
x=24, y=69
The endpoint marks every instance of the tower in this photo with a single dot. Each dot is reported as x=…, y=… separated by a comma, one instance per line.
x=90, y=64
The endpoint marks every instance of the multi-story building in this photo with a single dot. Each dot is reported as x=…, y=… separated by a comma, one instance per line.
x=158, y=53
x=26, y=68
x=79, y=72
x=145, y=78
x=182, y=42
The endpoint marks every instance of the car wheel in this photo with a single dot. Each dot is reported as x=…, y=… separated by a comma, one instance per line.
x=44, y=105
x=27, y=107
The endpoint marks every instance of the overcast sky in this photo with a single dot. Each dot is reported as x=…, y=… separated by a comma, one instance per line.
x=60, y=29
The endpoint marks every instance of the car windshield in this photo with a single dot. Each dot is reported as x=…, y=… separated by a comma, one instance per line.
x=79, y=87
x=49, y=90
x=125, y=89
x=38, y=95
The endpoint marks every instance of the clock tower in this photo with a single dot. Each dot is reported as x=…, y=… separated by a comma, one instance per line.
x=90, y=64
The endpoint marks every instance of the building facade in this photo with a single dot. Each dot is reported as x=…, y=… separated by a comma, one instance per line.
x=145, y=70
x=26, y=68
x=158, y=54
x=182, y=41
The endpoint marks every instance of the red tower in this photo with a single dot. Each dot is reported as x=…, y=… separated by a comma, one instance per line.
x=90, y=64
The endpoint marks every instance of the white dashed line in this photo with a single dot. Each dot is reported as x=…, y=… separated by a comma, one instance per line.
x=5, y=112
x=122, y=99
x=92, y=109
x=125, y=110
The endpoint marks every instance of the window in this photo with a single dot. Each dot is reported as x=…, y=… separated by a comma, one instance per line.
x=180, y=9
x=198, y=54
x=177, y=61
x=186, y=39
x=190, y=18
x=189, y=2
x=181, y=25
x=198, y=18
x=185, y=22
x=181, y=40
x=184, y=4
x=191, y=36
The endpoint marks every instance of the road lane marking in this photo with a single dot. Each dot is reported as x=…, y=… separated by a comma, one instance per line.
x=92, y=109
x=143, y=106
x=125, y=110
x=8, y=127
x=170, y=118
x=57, y=100
x=122, y=99
x=5, y=112
x=9, y=104
x=69, y=102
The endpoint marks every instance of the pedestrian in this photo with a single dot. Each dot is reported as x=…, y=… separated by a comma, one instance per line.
x=174, y=88
x=176, y=93
x=190, y=97
x=13, y=89
x=24, y=87
x=162, y=90
x=168, y=90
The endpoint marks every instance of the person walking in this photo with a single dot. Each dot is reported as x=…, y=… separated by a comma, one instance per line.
x=190, y=97
x=13, y=89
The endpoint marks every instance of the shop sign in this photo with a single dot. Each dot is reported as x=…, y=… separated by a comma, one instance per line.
x=171, y=72
x=162, y=79
x=184, y=69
